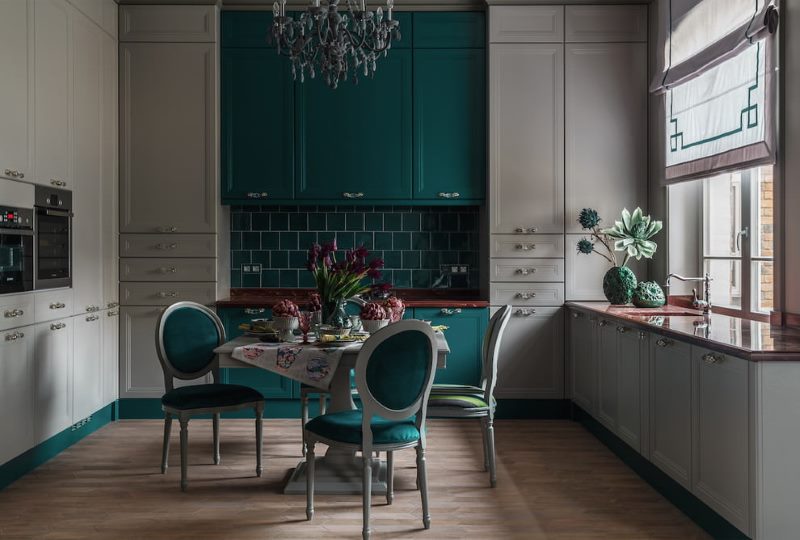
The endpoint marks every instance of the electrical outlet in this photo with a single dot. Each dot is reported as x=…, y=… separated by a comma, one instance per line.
x=251, y=269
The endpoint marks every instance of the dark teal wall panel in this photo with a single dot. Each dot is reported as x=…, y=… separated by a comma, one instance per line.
x=452, y=30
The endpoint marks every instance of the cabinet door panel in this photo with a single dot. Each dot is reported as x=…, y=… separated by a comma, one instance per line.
x=526, y=24
x=110, y=170
x=583, y=361
x=110, y=356
x=16, y=392
x=257, y=125
x=52, y=93
x=526, y=138
x=449, y=123
x=527, y=270
x=271, y=385
x=607, y=373
x=721, y=434
x=631, y=352
x=670, y=408
x=357, y=139
x=87, y=378
x=606, y=133
x=465, y=336
x=168, y=137
x=15, y=106
x=52, y=378
x=531, y=361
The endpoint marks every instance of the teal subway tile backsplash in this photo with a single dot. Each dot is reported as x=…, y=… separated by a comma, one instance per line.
x=269, y=243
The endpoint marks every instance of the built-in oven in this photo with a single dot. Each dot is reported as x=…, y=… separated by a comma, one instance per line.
x=53, y=226
x=16, y=249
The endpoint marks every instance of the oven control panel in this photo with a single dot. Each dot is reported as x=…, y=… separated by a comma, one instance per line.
x=16, y=218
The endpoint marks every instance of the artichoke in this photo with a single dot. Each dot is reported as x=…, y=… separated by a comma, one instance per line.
x=588, y=218
x=632, y=234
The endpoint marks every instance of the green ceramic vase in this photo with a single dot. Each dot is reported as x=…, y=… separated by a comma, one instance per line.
x=619, y=284
x=649, y=294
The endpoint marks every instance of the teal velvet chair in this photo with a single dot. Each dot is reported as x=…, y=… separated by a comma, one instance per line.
x=394, y=374
x=186, y=335
x=460, y=401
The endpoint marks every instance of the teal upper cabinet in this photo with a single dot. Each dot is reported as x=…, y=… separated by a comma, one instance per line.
x=449, y=30
x=465, y=337
x=257, y=125
x=354, y=143
x=449, y=124
x=248, y=29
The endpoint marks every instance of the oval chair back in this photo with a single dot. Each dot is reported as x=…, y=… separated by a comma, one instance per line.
x=186, y=335
x=491, y=350
x=394, y=374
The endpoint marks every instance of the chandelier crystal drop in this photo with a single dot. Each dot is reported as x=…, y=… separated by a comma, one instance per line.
x=338, y=46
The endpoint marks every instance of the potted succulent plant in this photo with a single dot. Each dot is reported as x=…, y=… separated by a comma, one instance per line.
x=631, y=235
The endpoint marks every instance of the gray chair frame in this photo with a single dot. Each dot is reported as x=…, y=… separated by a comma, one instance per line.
x=171, y=373
x=490, y=351
x=372, y=407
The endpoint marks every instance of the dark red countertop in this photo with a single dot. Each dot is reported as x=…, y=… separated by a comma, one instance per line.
x=753, y=340
x=432, y=298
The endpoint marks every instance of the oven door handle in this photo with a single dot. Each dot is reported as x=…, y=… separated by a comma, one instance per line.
x=58, y=213
x=21, y=232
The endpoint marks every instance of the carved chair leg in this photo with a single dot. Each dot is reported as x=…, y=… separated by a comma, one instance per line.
x=422, y=475
x=389, y=477
x=259, y=438
x=303, y=418
x=215, y=424
x=184, y=421
x=165, y=446
x=310, y=463
x=367, y=491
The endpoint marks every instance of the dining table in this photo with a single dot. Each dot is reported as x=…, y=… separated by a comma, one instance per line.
x=339, y=471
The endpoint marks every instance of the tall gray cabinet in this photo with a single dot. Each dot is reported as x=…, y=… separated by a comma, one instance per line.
x=173, y=231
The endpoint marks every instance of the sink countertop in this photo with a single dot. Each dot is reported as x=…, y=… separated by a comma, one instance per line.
x=752, y=340
x=421, y=298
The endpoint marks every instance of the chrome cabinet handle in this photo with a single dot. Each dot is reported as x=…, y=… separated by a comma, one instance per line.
x=57, y=183
x=663, y=342
x=711, y=358
x=168, y=228
x=14, y=336
x=602, y=322
x=352, y=195
x=58, y=326
x=525, y=247
x=523, y=230
x=166, y=246
x=576, y=315
x=168, y=270
x=257, y=195
x=449, y=195
x=254, y=311
x=14, y=313
x=92, y=318
x=449, y=311
x=92, y=309
x=642, y=335
x=112, y=313
x=621, y=329
x=58, y=305
x=13, y=173
x=168, y=294
x=112, y=305
x=526, y=271
x=525, y=295
x=525, y=312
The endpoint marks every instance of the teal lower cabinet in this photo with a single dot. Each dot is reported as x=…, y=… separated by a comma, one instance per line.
x=464, y=335
x=272, y=385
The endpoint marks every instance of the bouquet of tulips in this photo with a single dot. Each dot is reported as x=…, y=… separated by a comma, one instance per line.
x=342, y=279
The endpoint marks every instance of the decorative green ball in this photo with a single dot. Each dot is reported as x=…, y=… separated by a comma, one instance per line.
x=648, y=294
x=619, y=284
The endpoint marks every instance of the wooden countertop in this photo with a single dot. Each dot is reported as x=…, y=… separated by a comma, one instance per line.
x=422, y=298
x=752, y=340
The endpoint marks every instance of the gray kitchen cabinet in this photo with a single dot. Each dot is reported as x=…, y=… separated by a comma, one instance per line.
x=16, y=392
x=16, y=310
x=172, y=269
x=632, y=358
x=110, y=369
x=721, y=434
x=583, y=360
x=671, y=408
x=53, y=373
x=87, y=365
x=168, y=131
x=173, y=24
x=531, y=360
x=615, y=24
x=102, y=12
x=526, y=24
x=109, y=171
x=607, y=374
x=52, y=93
x=168, y=245
x=16, y=112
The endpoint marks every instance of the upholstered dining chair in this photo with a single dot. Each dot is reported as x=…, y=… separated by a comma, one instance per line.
x=462, y=401
x=394, y=374
x=186, y=335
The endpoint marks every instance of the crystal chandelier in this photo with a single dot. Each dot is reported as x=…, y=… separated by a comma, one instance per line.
x=336, y=45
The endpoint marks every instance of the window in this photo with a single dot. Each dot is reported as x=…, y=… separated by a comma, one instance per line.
x=737, y=239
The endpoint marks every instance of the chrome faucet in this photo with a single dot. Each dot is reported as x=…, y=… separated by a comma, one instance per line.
x=697, y=303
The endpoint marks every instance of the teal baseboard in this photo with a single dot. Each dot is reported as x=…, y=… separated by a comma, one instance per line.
x=43, y=452
x=539, y=409
x=714, y=524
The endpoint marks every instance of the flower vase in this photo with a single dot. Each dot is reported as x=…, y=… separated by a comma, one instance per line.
x=334, y=314
x=285, y=326
x=619, y=284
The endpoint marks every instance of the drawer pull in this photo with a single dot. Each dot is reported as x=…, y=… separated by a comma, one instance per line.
x=642, y=336
x=525, y=247
x=526, y=295
x=14, y=313
x=168, y=270
x=525, y=312
x=711, y=358
x=353, y=195
x=523, y=230
x=602, y=323
x=621, y=329
x=166, y=246
x=662, y=342
x=92, y=318
x=254, y=311
x=57, y=183
x=112, y=305
x=92, y=309
x=576, y=315
x=14, y=336
x=168, y=294
x=449, y=195
x=58, y=305
x=449, y=311
x=168, y=228
x=257, y=195
x=112, y=313
x=526, y=271
x=58, y=326
x=13, y=173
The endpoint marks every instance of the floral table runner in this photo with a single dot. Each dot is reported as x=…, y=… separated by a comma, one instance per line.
x=312, y=364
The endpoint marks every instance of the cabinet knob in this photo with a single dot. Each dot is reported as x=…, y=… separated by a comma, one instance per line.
x=526, y=271
x=58, y=326
x=663, y=342
x=254, y=311
x=522, y=312
x=92, y=318
x=621, y=329
x=112, y=305
x=450, y=311
x=58, y=305
x=602, y=322
x=14, y=336
x=576, y=315
x=711, y=358
x=642, y=335
x=257, y=195
x=14, y=313
x=353, y=195
x=13, y=173
x=526, y=295
x=449, y=195
x=168, y=228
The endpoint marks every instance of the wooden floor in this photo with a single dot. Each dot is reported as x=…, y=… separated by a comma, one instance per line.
x=555, y=480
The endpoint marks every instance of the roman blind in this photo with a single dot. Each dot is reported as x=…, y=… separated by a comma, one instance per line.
x=716, y=75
